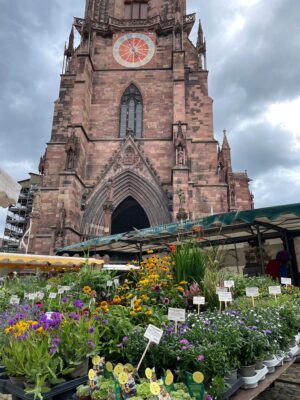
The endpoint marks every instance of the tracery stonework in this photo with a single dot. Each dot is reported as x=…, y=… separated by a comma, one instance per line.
x=133, y=120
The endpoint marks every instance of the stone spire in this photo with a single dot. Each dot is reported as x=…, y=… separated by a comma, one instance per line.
x=226, y=152
x=70, y=49
x=201, y=47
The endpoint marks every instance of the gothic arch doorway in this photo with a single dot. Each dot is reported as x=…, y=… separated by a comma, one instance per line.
x=129, y=215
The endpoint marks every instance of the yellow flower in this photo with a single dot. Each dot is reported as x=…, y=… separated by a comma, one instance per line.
x=183, y=283
x=40, y=329
x=103, y=304
x=138, y=309
x=150, y=251
x=149, y=312
x=180, y=289
x=132, y=313
x=87, y=289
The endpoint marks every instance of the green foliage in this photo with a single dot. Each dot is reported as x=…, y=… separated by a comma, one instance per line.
x=189, y=262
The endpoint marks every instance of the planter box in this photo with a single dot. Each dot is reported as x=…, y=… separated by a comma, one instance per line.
x=294, y=351
x=232, y=389
x=63, y=391
x=251, y=382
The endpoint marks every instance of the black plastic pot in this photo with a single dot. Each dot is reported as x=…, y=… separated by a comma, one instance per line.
x=63, y=391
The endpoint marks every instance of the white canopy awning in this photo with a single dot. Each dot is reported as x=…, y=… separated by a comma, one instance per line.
x=9, y=190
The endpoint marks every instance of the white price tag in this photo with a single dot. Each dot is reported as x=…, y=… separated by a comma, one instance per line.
x=14, y=300
x=252, y=292
x=109, y=283
x=229, y=284
x=52, y=295
x=225, y=297
x=286, y=281
x=176, y=314
x=14, y=296
x=153, y=334
x=199, y=300
x=274, y=289
x=221, y=290
x=67, y=288
x=40, y=295
x=60, y=291
x=49, y=315
x=32, y=296
x=117, y=282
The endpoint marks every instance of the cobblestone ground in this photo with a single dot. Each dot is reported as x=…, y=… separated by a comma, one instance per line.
x=287, y=390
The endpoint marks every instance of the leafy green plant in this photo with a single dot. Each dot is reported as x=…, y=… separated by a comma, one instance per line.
x=189, y=262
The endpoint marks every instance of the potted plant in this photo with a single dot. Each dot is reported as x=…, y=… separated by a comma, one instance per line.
x=78, y=337
x=83, y=392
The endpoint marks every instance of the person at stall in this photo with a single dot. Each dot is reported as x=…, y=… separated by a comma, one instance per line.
x=283, y=260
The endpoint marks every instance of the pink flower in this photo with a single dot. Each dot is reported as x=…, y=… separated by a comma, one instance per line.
x=201, y=357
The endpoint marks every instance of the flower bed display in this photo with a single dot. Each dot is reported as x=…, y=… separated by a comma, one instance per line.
x=52, y=329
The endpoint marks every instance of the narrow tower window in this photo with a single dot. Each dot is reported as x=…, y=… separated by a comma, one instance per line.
x=136, y=9
x=131, y=112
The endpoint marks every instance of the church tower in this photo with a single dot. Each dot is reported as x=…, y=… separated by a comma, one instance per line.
x=132, y=143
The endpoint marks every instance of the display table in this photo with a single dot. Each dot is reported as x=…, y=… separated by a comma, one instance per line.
x=253, y=393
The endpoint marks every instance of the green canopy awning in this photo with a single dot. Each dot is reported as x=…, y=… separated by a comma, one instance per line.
x=235, y=226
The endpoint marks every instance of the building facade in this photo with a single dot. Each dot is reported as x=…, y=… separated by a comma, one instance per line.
x=132, y=143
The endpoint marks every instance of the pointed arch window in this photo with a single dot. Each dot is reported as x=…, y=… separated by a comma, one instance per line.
x=131, y=112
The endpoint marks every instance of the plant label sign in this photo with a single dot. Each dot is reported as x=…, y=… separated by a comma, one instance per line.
x=52, y=295
x=199, y=300
x=274, y=290
x=225, y=297
x=286, y=281
x=109, y=283
x=14, y=300
x=66, y=288
x=153, y=334
x=228, y=284
x=221, y=290
x=252, y=292
x=116, y=282
x=176, y=314
x=32, y=296
x=60, y=290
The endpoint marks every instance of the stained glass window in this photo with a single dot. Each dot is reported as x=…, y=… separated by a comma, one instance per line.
x=131, y=112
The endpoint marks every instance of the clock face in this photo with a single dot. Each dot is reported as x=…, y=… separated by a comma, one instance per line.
x=134, y=50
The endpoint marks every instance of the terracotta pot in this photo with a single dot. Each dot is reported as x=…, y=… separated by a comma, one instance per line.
x=259, y=364
x=18, y=381
x=247, y=370
x=80, y=370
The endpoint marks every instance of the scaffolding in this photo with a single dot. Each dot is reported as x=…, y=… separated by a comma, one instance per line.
x=18, y=215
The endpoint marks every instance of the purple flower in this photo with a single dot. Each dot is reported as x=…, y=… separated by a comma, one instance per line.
x=23, y=337
x=242, y=322
x=64, y=299
x=208, y=397
x=120, y=345
x=253, y=327
x=207, y=322
x=105, y=322
x=201, y=357
x=74, y=316
x=78, y=303
x=184, y=341
x=267, y=332
x=55, y=340
x=125, y=339
x=53, y=350
x=91, y=344
x=91, y=329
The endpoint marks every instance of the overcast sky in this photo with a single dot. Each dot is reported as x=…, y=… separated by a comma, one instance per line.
x=254, y=63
